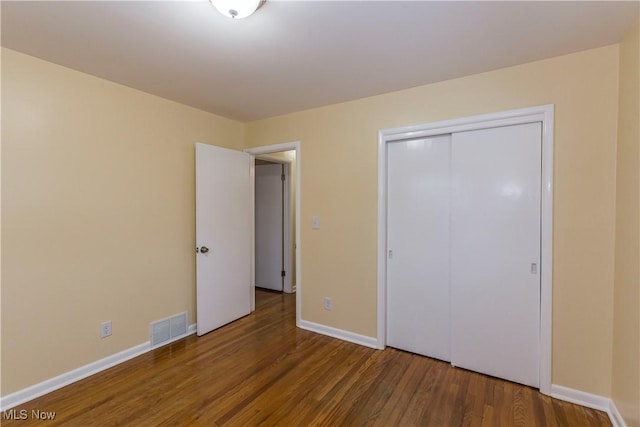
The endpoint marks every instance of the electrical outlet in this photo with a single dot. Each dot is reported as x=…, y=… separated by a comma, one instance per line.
x=327, y=303
x=105, y=329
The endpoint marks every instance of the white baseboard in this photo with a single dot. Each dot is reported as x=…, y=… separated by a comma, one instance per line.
x=339, y=333
x=21, y=396
x=615, y=416
x=589, y=400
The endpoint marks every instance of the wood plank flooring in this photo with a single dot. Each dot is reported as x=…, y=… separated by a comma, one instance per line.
x=261, y=370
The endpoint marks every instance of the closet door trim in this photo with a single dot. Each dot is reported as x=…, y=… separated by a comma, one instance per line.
x=543, y=114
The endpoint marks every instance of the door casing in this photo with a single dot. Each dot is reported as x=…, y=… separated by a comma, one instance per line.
x=544, y=114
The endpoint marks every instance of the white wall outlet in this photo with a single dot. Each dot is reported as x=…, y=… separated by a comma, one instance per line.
x=327, y=303
x=105, y=329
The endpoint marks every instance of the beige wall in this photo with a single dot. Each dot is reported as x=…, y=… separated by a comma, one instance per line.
x=98, y=215
x=339, y=184
x=626, y=332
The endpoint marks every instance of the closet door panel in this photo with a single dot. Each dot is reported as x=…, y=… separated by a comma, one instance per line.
x=418, y=198
x=495, y=251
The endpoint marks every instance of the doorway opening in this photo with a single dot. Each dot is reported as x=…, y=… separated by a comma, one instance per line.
x=287, y=157
x=274, y=229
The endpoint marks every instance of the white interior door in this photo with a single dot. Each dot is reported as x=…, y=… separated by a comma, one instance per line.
x=418, y=195
x=223, y=236
x=269, y=226
x=495, y=251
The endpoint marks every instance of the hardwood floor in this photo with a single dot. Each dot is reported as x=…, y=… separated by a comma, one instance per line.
x=261, y=370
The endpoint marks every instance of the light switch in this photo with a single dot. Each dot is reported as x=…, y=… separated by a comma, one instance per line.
x=315, y=223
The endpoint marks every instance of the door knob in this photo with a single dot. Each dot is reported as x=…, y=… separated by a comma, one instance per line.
x=204, y=250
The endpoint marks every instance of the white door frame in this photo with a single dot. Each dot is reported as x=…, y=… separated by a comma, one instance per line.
x=544, y=114
x=286, y=198
x=259, y=151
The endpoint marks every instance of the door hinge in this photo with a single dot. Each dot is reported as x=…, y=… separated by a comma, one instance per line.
x=283, y=273
x=282, y=176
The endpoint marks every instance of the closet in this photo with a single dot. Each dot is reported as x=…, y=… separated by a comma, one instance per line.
x=463, y=249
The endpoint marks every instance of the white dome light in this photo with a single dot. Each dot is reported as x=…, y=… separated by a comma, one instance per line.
x=236, y=9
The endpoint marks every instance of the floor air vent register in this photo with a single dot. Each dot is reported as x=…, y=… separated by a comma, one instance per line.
x=166, y=330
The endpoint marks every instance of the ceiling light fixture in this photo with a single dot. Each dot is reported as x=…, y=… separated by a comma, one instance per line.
x=237, y=9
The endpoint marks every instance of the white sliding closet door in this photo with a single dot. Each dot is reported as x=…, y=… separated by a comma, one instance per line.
x=418, y=196
x=495, y=251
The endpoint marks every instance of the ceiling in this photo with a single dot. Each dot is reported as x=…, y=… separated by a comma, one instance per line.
x=296, y=55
